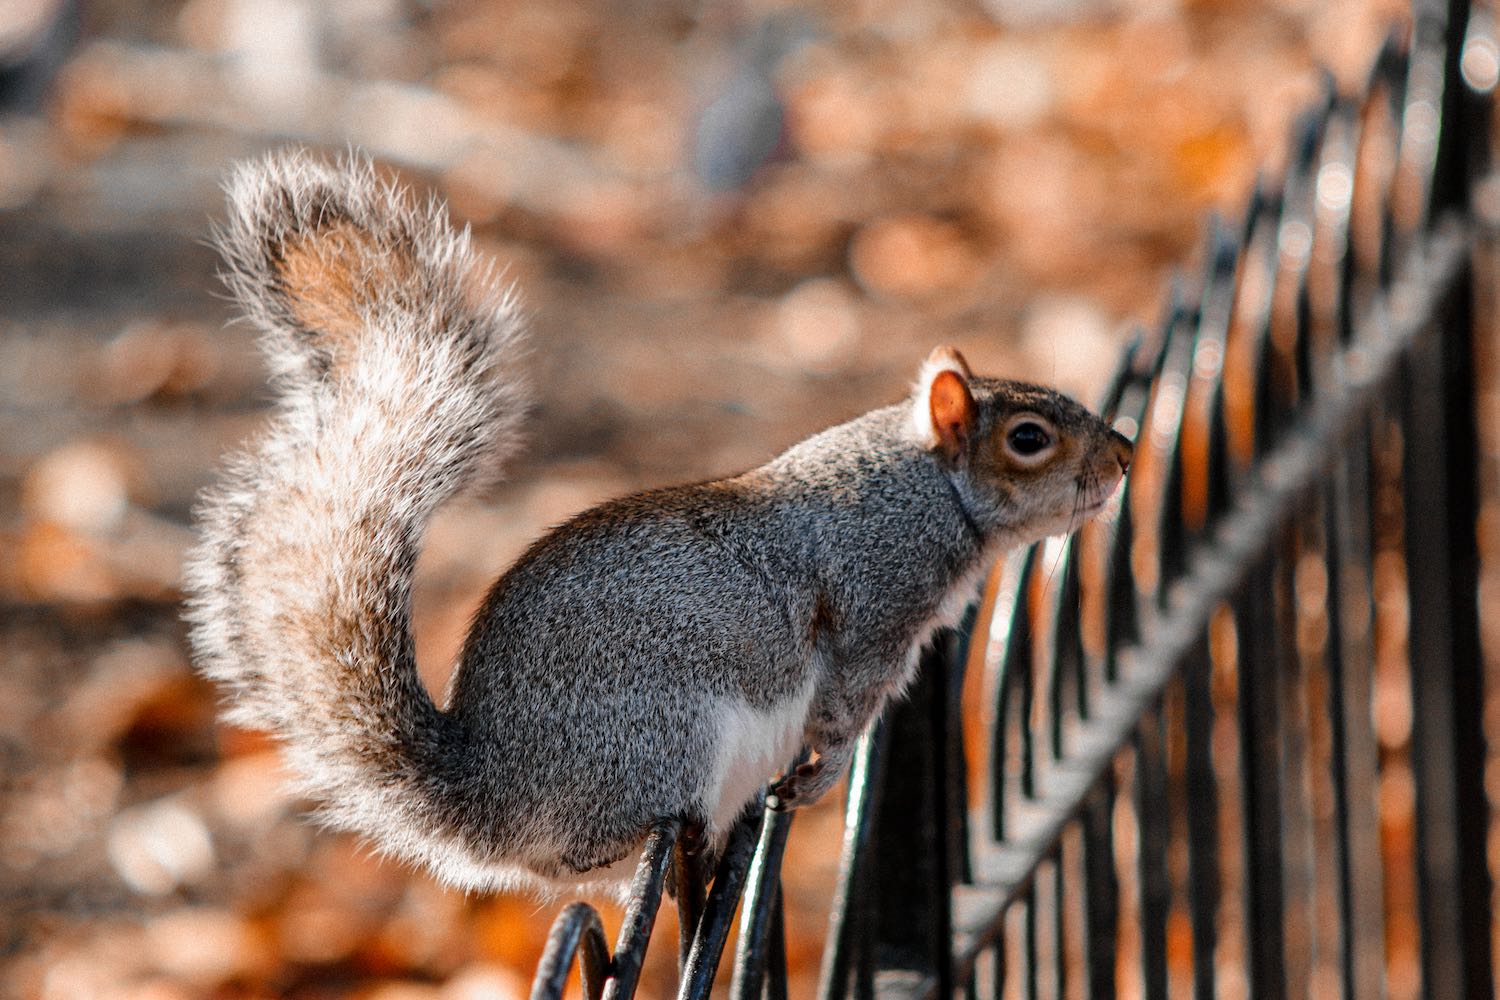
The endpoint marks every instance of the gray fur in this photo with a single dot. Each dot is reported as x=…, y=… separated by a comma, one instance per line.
x=607, y=668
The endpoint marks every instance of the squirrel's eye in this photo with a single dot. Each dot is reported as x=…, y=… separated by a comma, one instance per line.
x=1028, y=439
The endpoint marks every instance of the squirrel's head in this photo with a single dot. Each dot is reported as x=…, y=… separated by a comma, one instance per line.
x=1031, y=461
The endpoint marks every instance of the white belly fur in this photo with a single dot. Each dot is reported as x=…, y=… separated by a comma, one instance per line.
x=756, y=744
x=753, y=745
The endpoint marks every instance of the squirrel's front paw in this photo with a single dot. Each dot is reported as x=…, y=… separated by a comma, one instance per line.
x=802, y=787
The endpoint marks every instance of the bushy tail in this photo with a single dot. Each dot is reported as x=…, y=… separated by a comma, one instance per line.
x=394, y=353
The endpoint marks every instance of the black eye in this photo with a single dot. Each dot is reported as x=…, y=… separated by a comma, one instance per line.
x=1028, y=438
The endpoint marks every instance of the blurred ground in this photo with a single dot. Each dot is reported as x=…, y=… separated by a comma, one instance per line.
x=734, y=224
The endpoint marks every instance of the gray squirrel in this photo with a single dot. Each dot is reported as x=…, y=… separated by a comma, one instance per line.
x=660, y=656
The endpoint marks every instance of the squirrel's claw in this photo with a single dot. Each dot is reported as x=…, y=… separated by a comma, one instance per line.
x=801, y=787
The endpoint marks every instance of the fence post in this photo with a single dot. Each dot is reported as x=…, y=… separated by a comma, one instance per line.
x=912, y=862
x=904, y=873
x=1440, y=473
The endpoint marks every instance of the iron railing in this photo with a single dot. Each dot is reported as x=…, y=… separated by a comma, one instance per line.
x=1231, y=742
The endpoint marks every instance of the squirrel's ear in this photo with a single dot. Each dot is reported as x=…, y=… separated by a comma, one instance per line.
x=947, y=356
x=944, y=410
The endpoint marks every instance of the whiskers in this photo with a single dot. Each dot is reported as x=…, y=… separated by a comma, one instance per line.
x=1088, y=482
x=1114, y=505
x=1093, y=500
x=1055, y=549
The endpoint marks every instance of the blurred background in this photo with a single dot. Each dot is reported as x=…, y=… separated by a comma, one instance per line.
x=732, y=223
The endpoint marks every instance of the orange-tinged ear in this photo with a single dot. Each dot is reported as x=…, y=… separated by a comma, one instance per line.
x=949, y=357
x=953, y=412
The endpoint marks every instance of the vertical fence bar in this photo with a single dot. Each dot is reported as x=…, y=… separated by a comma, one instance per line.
x=1067, y=660
x=640, y=915
x=1023, y=679
x=1101, y=891
x=1000, y=974
x=1028, y=941
x=1297, y=864
x=1015, y=633
x=847, y=962
x=711, y=931
x=1351, y=686
x=913, y=862
x=1202, y=817
x=1440, y=450
x=688, y=887
x=1059, y=924
x=1151, y=850
x=1447, y=737
x=956, y=819
x=762, y=903
x=1120, y=608
x=1334, y=553
x=776, y=971
x=911, y=859
x=1260, y=778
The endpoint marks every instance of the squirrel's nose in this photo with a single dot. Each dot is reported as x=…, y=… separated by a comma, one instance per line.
x=1123, y=450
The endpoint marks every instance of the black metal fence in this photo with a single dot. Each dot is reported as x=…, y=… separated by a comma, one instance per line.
x=1232, y=742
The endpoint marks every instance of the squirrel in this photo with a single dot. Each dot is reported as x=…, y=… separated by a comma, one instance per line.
x=660, y=656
